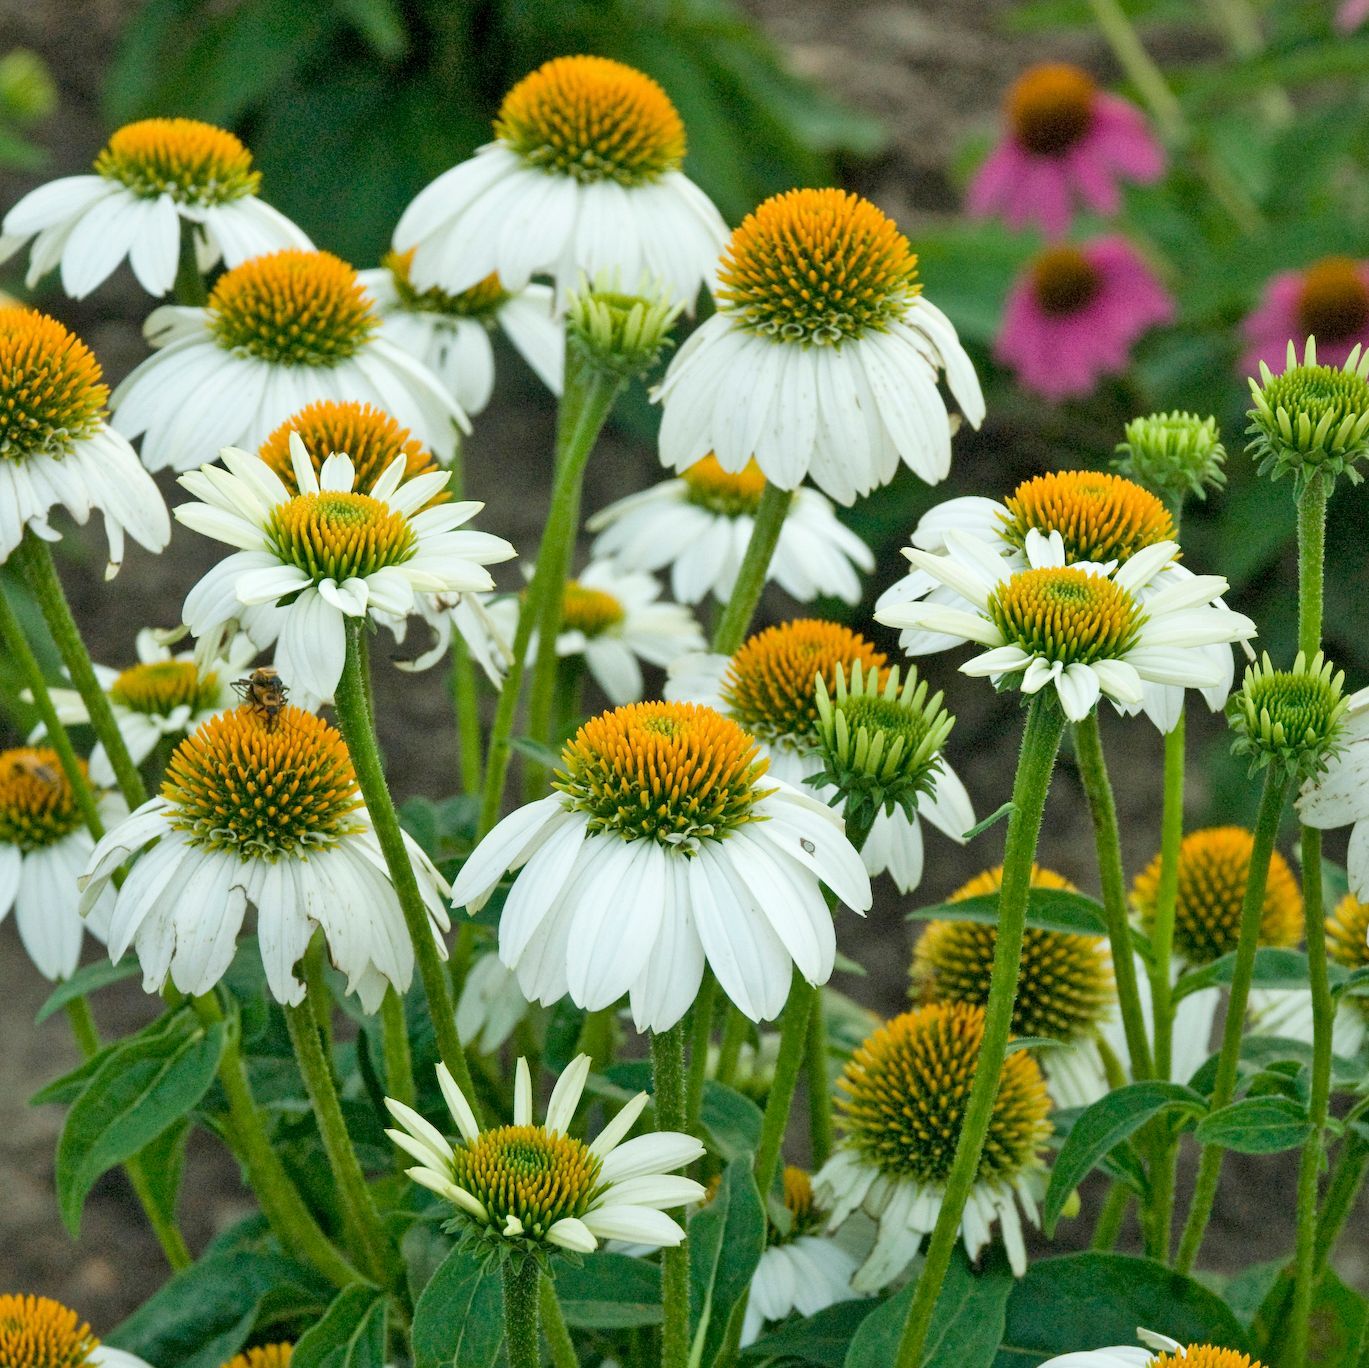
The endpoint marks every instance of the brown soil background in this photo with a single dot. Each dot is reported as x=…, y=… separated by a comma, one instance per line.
x=931, y=71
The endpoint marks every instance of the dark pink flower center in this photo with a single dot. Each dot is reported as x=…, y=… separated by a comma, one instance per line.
x=1050, y=108
x=1333, y=305
x=1064, y=281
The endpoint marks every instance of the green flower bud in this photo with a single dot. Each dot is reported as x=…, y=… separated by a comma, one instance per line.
x=1173, y=455
x=880, y=744
x=1311, y=419
x=27, y=90
x=1289, y=718
x=623, y=334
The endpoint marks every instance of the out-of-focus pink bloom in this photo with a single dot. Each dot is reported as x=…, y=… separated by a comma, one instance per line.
x=1351, y=15
x=1075, y=313
x=1328, y=301
x=1064, y=141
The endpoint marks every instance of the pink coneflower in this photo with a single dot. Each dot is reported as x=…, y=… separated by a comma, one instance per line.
x=1351, y=15
x=1328, y=301
x=1075, y=313
x=1065, y=140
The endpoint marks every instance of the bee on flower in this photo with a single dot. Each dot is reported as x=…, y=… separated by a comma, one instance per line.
x=529, y=1186
x=267, y=814
x=277, y=333
x=583, y=176
x=154, y=181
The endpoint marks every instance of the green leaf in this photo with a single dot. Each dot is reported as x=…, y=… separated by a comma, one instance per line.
x=726, y=1240
x=1274, y=968
x=1103, y=1126
x=459, y=1319
x=380, y=23
x=164, y=1162
x=71, y=1085
x=1037, y=1043
x=1080, y=1301
x=966, y=1327
x=992, y=820
x=820, y=1340
x=1355, y=984
x=537, y=750
x=204, y=1315
x=609, y=1292
x=1256, y=1125
x=144, y=1085
x=1050, y=909
x=350, y=1335
x=1337, y=1320
x=89, y=979
x=731, y=1122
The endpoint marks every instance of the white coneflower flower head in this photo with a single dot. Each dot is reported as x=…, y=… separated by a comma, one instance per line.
x=150, y=178
x=56, y=449
x=902, y=1108
x=260, y=807
x=277, y=333
x=666, y=844
x=329, y=549
x=1162, y=1352
x=823, y=356
x=584, y=175
x=528, y=1188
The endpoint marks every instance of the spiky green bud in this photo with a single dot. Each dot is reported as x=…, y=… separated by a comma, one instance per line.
x=622, y=334
x=1174, y=455
x=1289, y=718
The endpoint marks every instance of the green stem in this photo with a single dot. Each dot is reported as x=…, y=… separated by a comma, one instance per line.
x=700, y=1036
x=522, y=1339
x=399, y=1060
x=554, y=1328
x=1347, y=1177
x=1093, y=771
x=1240, y=26
x=354, y=719
x=735, y=1030
x=596, y=1038
x=281, y=1203
x=316, y=992
x=1228, y=1062
x=1040, y=743
x=34, y=559
x=359, y=1206
x=19, y=650
x=586, y=402
x=760, y=550
x=576, y=433
x=466, y=705
x=668, y=1075
x=1311, y=562
x=819, y=1086
x=189, y=285
x=788, y=1064
x=1110, y=1218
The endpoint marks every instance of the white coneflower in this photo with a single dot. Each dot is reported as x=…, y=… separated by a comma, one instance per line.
x=769, y=688
x=583, y=177
x=666, y=845
x=822, y=359
x=151, y=177
x=56, y=449
x=163, y=695
x=1086, y=630
x=333, y=552
x=1339, y=796
x=450, y=333
x=490, y=1005
x=802, y=1269
x=1162, y=1353
x=259, y=809
x=700, y=526
x=528, y=1185
x=278, y=332
x=37, y=1332
x=902, y=1109
x=44, y=846
x=1100, y=519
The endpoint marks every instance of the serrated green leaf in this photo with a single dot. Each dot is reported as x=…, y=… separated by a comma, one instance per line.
x=459, y=1319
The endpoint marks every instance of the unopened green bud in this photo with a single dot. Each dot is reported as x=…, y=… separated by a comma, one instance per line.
x=1311, y=419
x=623, y=334
x=880, y=744
x=1173, y=455
x=1289, y=718
x=27, y=90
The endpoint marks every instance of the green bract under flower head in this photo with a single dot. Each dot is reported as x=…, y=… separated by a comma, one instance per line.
x=880, y=744
x=1173, y=454
x=1311, y=419
x=623, y=334
x=1289, y=718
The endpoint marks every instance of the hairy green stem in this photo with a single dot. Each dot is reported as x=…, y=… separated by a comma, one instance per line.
x=554, y=1328
x=668, y=1075
x=1233, y=1030
x=1110, y=1218
x=34, y=559
x=819, y=1086
x=283, y=1207
x=1040, y=744
x=1311, y=562
x=700, y=1036
x=466, y=705
x=1093, y=771
x=736, y=616
x=788, y=1064
x=1342, y=1191
x=735, y=1030
x=355, y=721
x=362, y=1218
x=522, y=1337
x=399, y=1060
